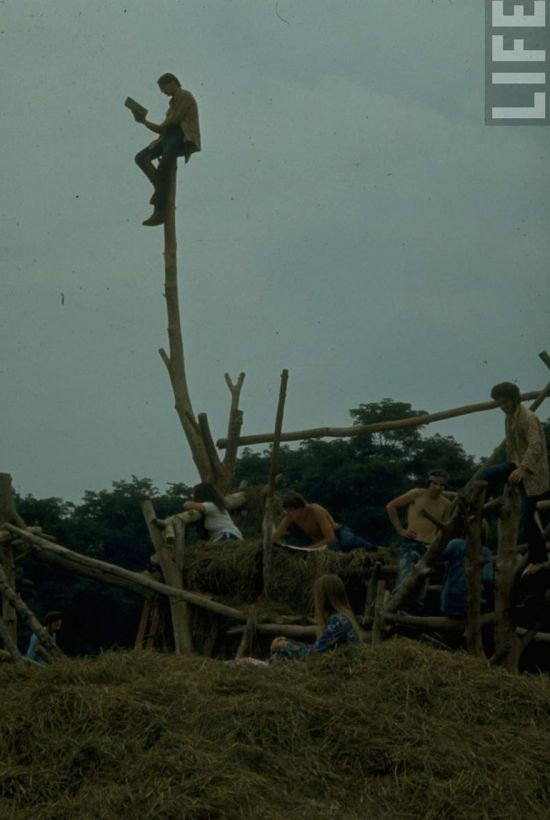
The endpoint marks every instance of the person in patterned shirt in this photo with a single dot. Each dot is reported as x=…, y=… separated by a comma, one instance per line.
x=336, y=623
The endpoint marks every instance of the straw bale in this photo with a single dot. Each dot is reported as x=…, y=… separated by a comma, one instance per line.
x=395, y=731
x=232, y=570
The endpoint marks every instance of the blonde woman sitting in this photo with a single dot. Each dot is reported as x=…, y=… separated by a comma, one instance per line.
x=336, y=624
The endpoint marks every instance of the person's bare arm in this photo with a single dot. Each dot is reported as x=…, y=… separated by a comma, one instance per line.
x=398, y=503
x=193, y=505
x=282, y=528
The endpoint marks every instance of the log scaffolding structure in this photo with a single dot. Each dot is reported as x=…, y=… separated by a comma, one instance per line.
x=382, y=609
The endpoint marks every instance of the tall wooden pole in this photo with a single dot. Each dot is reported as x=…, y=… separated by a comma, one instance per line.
x=505, y=570
x=473, y=567
x=267, y=526
x=8, y=514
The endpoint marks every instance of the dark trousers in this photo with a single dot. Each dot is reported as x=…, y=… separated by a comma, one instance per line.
x=496, y=476
x=167, y=151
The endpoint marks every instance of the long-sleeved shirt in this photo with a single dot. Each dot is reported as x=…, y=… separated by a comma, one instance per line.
x=183, y=112
x=526, y=447
x=338, y=630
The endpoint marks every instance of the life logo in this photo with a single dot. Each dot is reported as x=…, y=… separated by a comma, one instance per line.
x=516, y=49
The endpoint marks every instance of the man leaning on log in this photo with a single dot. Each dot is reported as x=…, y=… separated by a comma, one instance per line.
x=419, y=532
x=179, y=136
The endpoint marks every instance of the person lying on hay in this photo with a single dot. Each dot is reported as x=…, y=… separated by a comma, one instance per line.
x=336, y=623
x=218, y=523
x=318, y=525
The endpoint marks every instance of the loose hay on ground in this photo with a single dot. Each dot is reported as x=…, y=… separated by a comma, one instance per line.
x=396, y=731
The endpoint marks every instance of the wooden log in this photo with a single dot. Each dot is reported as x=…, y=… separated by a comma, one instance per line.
x=437, y=622
x=234, y=424
x=473, y=566
x=361, y=429
x=5, y=637
x=26, y=612
x=210, y=641
x=175, y=360
x=379, y=603
x=8, y=513
x=183, y=644
x=113, y=575
x=267, y=524
x=506, y=642
x=245, y=646
x=286, y=630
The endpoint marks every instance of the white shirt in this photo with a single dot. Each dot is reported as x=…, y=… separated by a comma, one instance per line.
x=218, y=522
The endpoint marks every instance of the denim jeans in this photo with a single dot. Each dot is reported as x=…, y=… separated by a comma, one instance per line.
x=410, y=553
x=347, y=541
x=167, y=151
x=496, y=476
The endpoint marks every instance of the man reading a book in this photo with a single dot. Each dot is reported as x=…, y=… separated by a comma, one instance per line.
x=317, y=525
x=178, y=136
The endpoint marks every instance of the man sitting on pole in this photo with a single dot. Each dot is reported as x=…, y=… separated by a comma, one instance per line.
x=179, y=136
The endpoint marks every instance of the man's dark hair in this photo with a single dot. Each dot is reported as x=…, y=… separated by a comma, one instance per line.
x=439, y=476
x=52, y=617
x=293, y=501
x=168, y=78
x=505, y=390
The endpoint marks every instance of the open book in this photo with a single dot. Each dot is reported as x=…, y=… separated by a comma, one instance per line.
x=302, y=549
x=135, y=107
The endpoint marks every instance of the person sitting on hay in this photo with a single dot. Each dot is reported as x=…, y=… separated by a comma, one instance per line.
x=336, y=623
x=318, y=525
x=217, y=521
x=36, y=652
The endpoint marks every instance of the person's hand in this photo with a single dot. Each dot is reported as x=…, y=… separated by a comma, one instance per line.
x=410, y=534
x=138, y=116
x=517, y=475
x=532, y=568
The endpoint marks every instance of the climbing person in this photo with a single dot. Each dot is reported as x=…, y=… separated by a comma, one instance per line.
x=36, y=652
x=317, y=525
x=334, y=618
x=179, y=136
x=419, y=531
x=526, y=468
x=453, y=588
x=217, y=521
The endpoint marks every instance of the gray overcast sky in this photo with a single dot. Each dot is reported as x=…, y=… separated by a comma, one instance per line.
x=350, y=217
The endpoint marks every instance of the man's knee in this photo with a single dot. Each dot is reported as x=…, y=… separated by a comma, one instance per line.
x=142, y=157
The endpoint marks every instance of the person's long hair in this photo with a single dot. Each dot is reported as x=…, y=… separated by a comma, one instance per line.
x=330, y=597
x=207, y=492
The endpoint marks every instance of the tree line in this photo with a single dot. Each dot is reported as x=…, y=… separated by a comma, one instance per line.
x=354, y=478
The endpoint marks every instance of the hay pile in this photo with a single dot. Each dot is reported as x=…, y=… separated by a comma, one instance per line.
x=232, y=571
x=394, y=732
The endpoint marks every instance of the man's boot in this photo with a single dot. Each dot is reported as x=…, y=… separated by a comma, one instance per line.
x=156, y=218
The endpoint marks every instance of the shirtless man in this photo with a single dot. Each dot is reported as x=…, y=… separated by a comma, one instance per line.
x=419, y=531
x=318, y=525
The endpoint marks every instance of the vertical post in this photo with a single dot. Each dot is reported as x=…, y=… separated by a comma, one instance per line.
x=267, y=526
x=505, y=639
x=8, y=514
x=472, y=566
x=183, y=644
x=379, y=606
x=245, y=646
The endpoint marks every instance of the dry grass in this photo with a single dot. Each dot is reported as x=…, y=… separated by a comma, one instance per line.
x=394, y=732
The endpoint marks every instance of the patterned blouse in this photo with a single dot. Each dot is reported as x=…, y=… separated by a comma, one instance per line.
x=338, y=630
